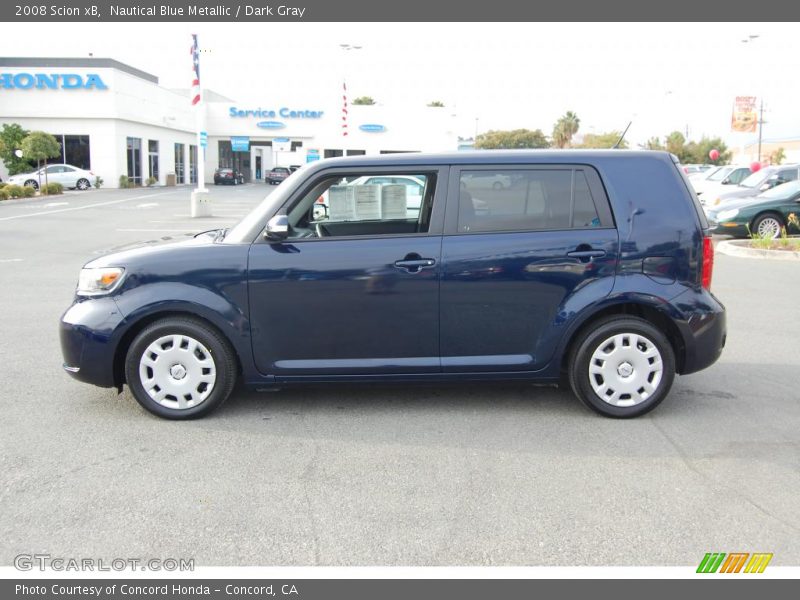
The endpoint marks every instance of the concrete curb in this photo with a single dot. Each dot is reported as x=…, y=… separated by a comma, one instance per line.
x=741, y=249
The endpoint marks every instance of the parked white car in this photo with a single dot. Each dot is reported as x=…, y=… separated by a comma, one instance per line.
x=66, y=175
x=716, y=179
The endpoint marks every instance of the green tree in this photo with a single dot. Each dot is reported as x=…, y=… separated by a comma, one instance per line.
x=602, y=140
x=698, y=152
x=565, y=128
x=654, y=143
x=676, y=144
x=517, y=138
x=776, y=157
x=363, y=101
x=436, y=104
x=40, y=146
x=11, y=137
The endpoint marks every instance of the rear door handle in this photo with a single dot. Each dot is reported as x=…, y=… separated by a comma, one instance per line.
x=587, y=253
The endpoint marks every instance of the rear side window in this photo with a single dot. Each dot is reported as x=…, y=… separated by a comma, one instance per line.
x=529, y=200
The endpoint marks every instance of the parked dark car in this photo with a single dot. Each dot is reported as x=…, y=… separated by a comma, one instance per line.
x=228, y=176
x=596, y=274
x=277, y=175
x=766, y=215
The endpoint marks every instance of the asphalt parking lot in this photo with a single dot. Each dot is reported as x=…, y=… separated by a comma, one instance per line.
x=507, y=474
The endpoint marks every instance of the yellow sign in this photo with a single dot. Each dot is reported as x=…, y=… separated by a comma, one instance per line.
x=745, y=117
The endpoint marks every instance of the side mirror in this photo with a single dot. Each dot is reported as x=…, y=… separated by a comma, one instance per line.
x=277, y=228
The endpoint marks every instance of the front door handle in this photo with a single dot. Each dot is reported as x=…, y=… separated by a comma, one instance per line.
x=414, y=265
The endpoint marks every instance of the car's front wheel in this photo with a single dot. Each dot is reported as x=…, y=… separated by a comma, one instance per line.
x=32, y=183
x=768, y=226
x=180, y=368
x=621, y=367
x=83, y=184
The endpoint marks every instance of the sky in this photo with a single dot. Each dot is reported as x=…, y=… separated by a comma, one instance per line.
x=661, y=77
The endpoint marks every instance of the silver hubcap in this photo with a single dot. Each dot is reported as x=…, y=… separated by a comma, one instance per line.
x=769, y=227
x=625, y=369
x=177, y=371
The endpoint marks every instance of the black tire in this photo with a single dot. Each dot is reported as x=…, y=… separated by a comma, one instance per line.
x=224, y=367
x=83, y=184
x=497, y=186
x=32, y=183
x=593, y=339
x=757, y=222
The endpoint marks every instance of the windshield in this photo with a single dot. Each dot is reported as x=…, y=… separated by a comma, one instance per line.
x=256, y=219
x=782, y=191
x=720, y=174
x=756, y=179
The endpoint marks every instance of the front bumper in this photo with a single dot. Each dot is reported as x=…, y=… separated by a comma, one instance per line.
x=89, y=336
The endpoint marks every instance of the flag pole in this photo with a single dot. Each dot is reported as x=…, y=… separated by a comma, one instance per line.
x=200, y=199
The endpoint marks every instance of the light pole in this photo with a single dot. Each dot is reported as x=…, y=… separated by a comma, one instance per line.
x=346, y=48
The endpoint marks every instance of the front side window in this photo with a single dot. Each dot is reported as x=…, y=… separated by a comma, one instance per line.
x=524, y=200
x=371, y=204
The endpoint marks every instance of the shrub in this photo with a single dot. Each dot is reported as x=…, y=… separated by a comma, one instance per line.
x=3, y=194
x=15, y=191
x=52, y=188
x=2, y=184
x=124, y=182
x=151, y=181
x=28, y=191
x=98, y=182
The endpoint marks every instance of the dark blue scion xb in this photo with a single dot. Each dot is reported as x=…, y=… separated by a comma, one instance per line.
x=586, y=267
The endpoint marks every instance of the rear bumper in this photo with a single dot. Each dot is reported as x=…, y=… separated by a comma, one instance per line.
x=704, y=331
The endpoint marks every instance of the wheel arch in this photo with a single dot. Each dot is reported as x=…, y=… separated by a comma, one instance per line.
x=137, y=326
x=635, y=308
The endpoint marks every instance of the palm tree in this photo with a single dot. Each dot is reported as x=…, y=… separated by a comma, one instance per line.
x=566, y=127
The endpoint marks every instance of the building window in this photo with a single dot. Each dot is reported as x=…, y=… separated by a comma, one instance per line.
x=192, y=164
x=152, y=158
x=134, y=152
x=180, y=163
x=74, y=151
x=333, y=153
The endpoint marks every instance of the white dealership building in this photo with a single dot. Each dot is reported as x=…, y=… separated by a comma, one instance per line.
x=119, y=122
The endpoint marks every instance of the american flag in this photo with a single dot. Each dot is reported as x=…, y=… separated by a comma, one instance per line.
x=195, y=70
x=344, y=108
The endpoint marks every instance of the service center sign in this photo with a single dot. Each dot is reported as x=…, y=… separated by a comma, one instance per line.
x=51, y=81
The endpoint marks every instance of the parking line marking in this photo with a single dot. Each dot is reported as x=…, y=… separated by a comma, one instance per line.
x=5, y=260
x=56, y=204
x=147, y=205
x=60, y=210
x=197, y=229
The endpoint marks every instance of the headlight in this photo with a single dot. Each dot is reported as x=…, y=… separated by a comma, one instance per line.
x=727, y=214
x=96, y=282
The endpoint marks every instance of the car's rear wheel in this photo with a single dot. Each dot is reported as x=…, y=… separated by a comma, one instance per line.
x=32, y=183
x=621, y=367
x=83, y=184
x=180, y=368
x=768, y=225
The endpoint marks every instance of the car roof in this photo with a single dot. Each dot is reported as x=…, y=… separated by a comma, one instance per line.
x=476, y=157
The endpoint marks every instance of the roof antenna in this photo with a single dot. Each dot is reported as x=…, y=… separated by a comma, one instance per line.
x=622, y=137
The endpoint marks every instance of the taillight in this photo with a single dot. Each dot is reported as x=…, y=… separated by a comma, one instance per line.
x=708, y=262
